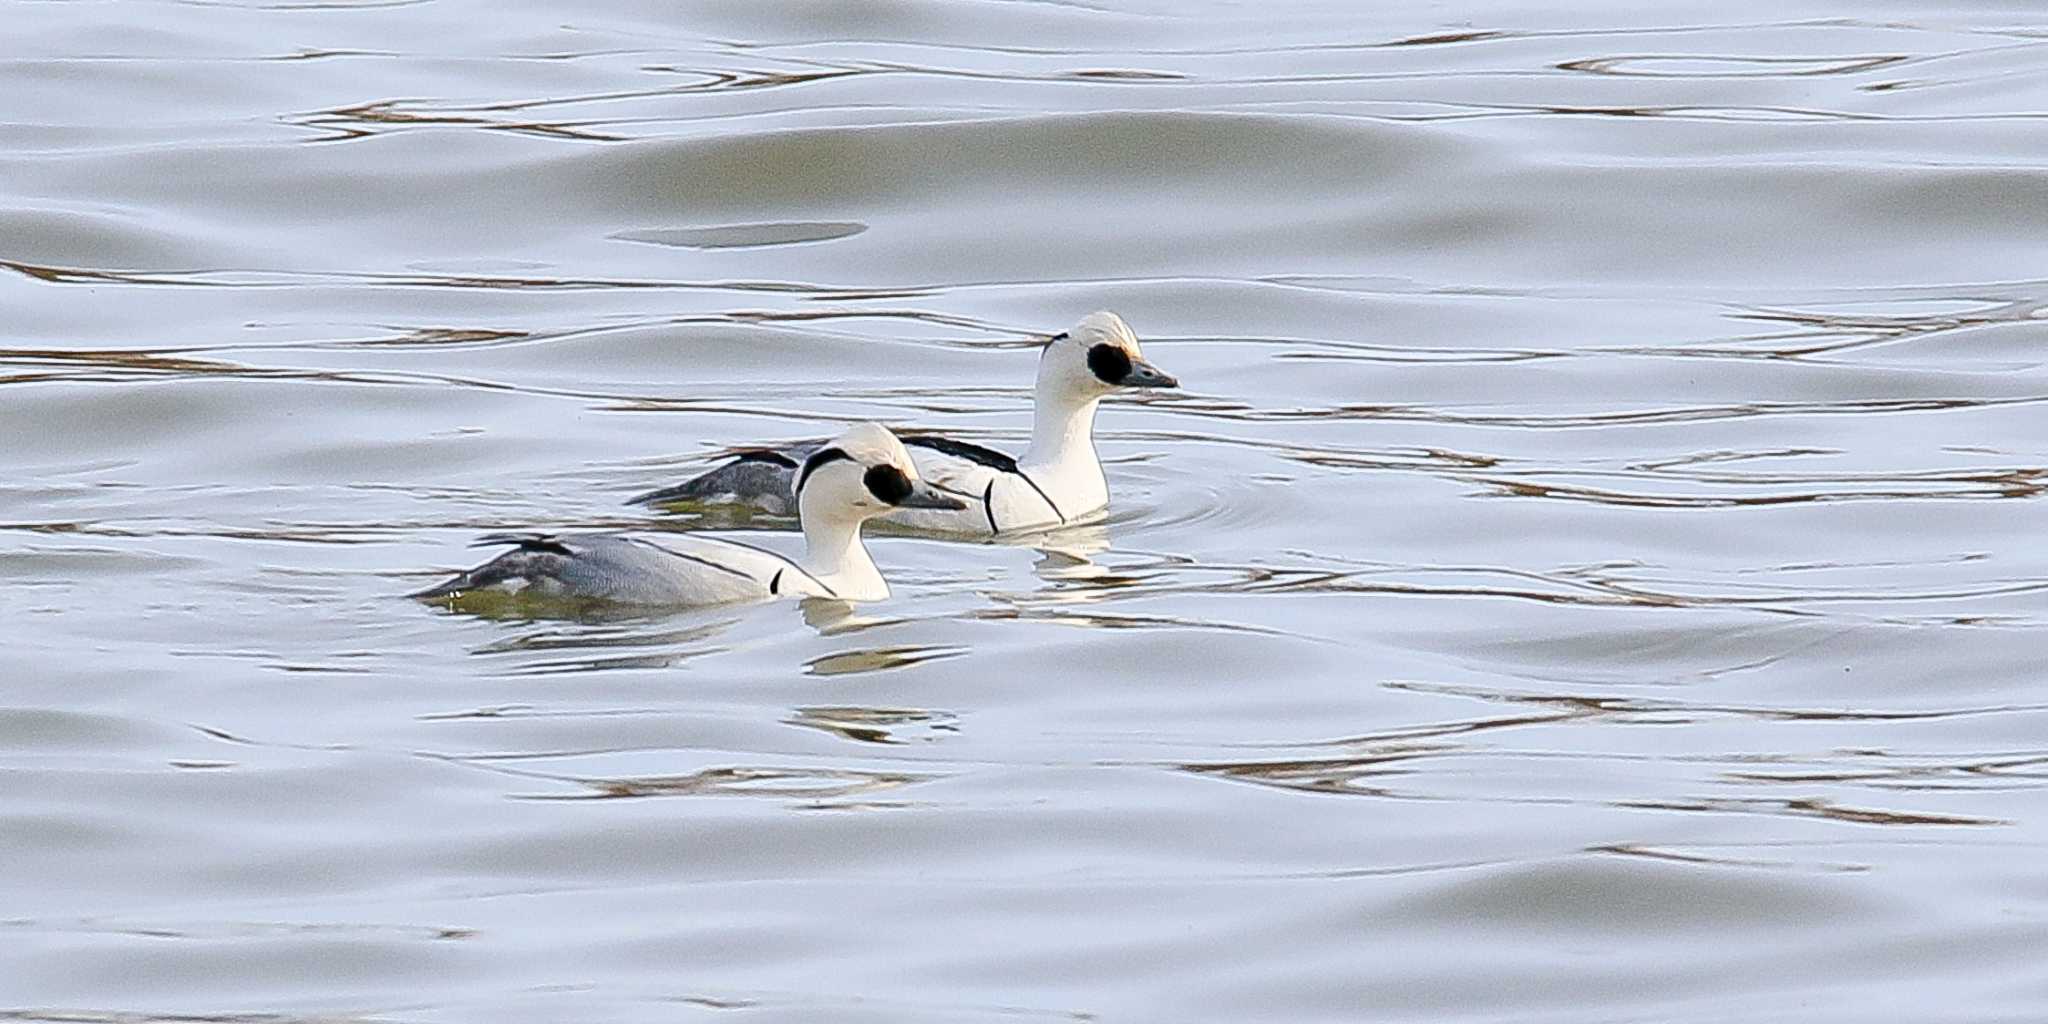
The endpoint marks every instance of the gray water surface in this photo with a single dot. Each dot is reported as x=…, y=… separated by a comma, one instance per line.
x=1593, y=571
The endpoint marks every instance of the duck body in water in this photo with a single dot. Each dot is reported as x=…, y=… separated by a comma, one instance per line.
x=1058, y=479
x=857, y=476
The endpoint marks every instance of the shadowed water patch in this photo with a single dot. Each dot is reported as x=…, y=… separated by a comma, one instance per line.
x=774, y=783
x=71, y=1016
x=744, y=236
x=888, y=726
x=878, y=659
x=1700, y=66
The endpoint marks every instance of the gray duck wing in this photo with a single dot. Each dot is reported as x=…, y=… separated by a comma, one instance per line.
x=613, y=567
x=760, y=477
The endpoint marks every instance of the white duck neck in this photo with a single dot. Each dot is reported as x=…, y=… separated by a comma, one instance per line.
x=833, y=553
x=1062, y=433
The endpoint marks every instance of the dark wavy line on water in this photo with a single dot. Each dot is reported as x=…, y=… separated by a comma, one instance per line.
x=1155, y=79
x=2023, y=770
x=1766, y=66
x=1464, y=111
x=2006, y=309
x=1668, y=854
x=214, y=931
x=67, y=1015
x=2021, y=289
x=224, y=58
x=1459, y=37
x=1028, y=610
x=1616, y=593
x=1582, y=705
x=257, y=278
x=301, y=278
x=382, y=117
x=363, y=120
x=1555, y=709
x=2021, y=484
x=1812, y=807
x=1682, y=414
x=656, y=1005
x=759, y=781
x=301, y=5
x=1389, y=776
x=444, y=337
x=1698, y=467
x=1200, y=406
x=124, y=366
x=1579, y=588
x=1399, y=774
x=1008, y=337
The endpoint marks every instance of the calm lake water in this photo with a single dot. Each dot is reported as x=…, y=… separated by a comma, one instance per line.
x=1593, y=573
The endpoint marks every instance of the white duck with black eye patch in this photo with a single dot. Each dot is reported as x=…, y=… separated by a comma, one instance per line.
x=1057, y=480
x=859, y=475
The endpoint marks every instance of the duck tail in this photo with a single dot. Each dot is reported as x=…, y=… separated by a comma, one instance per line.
x=759, y=477
x=519, y=563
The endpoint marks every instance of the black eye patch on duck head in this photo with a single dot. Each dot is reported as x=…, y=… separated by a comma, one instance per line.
x=822, y=457
x=1110, y=363
x=888, y=483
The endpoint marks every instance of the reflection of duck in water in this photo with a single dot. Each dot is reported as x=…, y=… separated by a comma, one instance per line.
x=1057, y=480
x=1068, y=553
x=861, y=474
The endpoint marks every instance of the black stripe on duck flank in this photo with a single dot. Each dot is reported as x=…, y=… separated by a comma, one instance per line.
x=699, y=559
x=788, y=565
x=1049, y=503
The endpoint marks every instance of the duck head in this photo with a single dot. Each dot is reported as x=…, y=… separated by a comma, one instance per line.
x=861, y=474
x=1094, y=358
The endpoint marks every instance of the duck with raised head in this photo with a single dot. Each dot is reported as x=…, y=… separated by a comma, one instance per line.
x=1058, y=479
x=855, y=477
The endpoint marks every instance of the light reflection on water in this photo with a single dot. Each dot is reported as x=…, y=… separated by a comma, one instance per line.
x=1594, y=556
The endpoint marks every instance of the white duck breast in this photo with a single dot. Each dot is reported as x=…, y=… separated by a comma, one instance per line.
x=860, y=475
x=1002, y=496
x=1057, y=480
